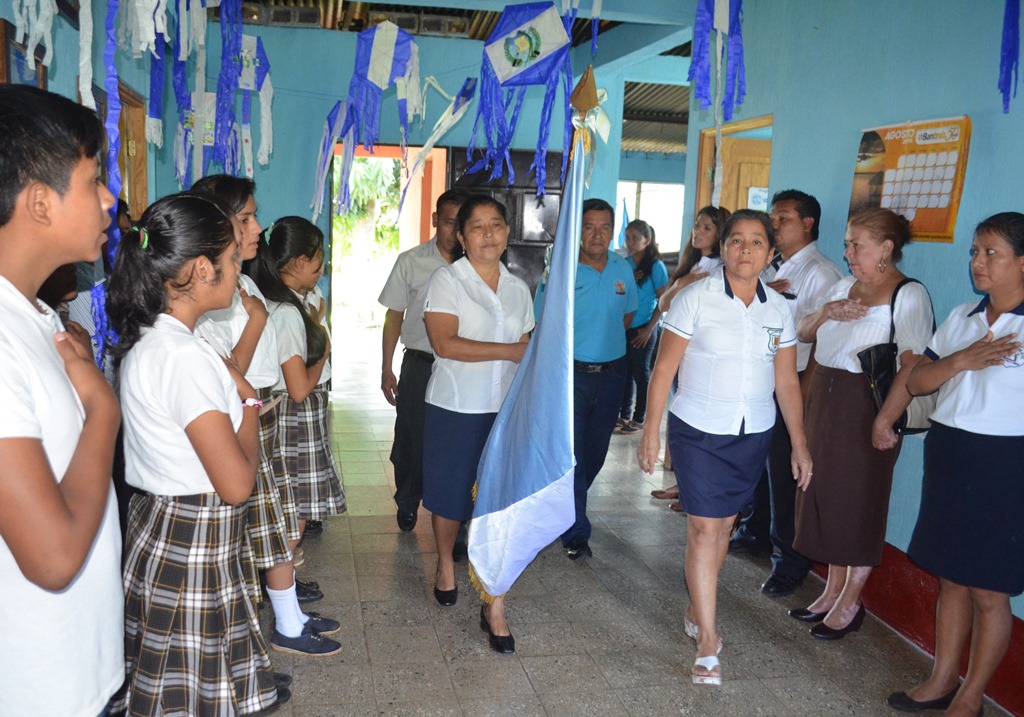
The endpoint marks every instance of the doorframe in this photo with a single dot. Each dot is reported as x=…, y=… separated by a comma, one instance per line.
x=706, y=155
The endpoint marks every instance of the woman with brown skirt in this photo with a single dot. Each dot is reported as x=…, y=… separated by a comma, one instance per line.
x=841, y=519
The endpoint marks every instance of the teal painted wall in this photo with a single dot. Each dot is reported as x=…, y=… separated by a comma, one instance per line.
x=652, y=167
x=826, y=70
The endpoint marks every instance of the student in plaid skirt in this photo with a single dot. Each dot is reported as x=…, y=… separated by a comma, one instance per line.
x=286, y=270
x=242, y=332
x=191, y=420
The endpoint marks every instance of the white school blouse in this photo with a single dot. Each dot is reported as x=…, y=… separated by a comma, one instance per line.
x=223, y=328
x=727, y=377
x=484, y=315
x=291, y=335
x=168, y=379
x=312, y=302
x=839, y=342
x=61, y=652
x=989, y=401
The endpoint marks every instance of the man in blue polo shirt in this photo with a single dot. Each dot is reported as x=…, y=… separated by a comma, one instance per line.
x=605, y=300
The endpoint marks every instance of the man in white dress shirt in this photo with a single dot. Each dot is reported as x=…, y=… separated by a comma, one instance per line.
x=803, y=275
x=403, y=295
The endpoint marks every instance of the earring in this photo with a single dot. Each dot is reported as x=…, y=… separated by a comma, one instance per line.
x=882, y=266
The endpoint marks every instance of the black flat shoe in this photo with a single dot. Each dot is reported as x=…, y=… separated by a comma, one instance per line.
x=905, y=703
x=804, y=615
x=504, y=644
x=446, y=597
x=824, y=632
x=304, y=593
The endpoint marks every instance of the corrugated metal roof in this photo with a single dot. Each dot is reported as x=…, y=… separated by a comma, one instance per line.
x=655, y=117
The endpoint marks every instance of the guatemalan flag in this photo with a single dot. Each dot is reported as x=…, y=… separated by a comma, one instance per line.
x=525, y=478
x=529, y=46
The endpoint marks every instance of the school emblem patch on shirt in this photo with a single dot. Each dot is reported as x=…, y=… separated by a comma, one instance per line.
x=620, y=287
x=774, y=336
x=1014, y=360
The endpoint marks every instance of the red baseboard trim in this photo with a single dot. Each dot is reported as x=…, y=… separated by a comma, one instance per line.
x=903, y=596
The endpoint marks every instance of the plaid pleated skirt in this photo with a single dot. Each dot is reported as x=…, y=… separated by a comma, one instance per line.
x=192, y=637
x=268, y=527
x=304, y=438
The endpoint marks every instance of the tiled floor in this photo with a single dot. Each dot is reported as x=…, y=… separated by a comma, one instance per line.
x=599, y=637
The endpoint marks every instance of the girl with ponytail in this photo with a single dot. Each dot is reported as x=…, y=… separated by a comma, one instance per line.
x=192, y=640
x=286, y=269
x=243, y=332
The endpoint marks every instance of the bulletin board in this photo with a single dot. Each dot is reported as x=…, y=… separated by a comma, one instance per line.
x=915, y=169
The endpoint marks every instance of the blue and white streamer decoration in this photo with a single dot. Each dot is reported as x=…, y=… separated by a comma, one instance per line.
x=111, y=124
x=448, y=119
x=155, y=108
x=385, y=55
x=225, y=149
x=725, y=17
x=1009, y=53
x=529, y=46
x=255, y=76
x=331, y=133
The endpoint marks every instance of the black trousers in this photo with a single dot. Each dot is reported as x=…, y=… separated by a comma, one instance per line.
x=407, y=450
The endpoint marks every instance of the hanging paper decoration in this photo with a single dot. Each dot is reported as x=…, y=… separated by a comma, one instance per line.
x=111, y=123
x=85, y=54
x=1009, y=53
x=227, y=82
x=595, y=24
x=529, y=46
x=331, y=133
x=255, y=75
x=586, y=100
x=155, y=108
x=448, y=119
x=385, y=56
x=726, y=18
x=33, y=24
x=184, y=133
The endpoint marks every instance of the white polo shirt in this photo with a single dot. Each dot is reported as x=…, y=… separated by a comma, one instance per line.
x=811, y=274
x=727, y=377
x=502, y=317
x=61, y=652
x=839, y=342
x=706, y=265
x=312, y=301
x=989, y=401
x=291, y=337
x=168, y=379
x=223, y=328
x=406, y=289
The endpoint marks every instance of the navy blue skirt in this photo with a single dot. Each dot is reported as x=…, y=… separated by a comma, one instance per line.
x=716, y=474
x=452, y=445
x=970, y=528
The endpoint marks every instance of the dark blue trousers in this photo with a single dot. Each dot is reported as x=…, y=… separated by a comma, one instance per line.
x=639, y=363
x=596, y=399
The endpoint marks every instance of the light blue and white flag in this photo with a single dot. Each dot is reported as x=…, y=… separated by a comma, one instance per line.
x=525, y=479
x=620, y=240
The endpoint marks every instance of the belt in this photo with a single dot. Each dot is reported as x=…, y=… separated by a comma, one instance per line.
x=421, y=355
x=584, y=367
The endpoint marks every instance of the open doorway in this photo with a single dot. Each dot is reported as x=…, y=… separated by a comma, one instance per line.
x=746, y=165
x=363, y=242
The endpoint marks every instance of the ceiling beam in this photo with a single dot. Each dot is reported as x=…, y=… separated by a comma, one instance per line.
x=625, y=46
x=647, y=12
x=660, y=70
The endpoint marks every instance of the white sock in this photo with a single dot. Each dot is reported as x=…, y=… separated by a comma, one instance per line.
x=290, y=619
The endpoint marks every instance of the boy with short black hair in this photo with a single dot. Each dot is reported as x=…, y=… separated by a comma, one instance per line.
x=61, y=624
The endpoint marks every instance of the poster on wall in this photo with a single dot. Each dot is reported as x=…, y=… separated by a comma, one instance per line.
x=915, y=169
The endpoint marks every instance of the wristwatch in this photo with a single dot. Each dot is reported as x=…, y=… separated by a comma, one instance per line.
x=252, y=403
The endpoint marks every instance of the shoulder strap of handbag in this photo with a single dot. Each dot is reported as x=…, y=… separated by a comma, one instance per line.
x=892, y=307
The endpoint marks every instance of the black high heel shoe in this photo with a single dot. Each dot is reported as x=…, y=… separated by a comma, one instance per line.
x=446, y=598
x=824, y=632
x=804, y=615
x=504, y=644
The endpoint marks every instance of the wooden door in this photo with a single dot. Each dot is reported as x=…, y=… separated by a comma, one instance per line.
x=746, y=163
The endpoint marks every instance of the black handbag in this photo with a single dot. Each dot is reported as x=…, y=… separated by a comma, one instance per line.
x=880, y=366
